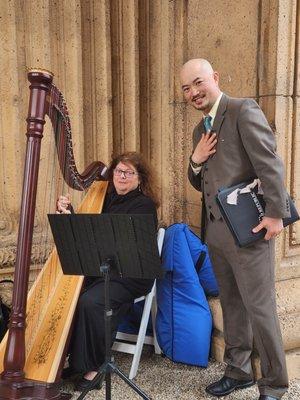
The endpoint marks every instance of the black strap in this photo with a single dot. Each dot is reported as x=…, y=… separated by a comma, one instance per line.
x=203, y=209
x=203, y=221
x=200, y=260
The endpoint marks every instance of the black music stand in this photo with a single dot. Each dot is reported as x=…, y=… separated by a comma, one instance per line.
x=105, y=245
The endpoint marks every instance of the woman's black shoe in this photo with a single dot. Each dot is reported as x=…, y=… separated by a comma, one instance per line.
x=83, y=383
x=68, y=373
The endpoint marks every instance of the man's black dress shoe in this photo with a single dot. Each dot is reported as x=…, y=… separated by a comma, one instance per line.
x=83, y=383
x=266, y=397
x=227, y=385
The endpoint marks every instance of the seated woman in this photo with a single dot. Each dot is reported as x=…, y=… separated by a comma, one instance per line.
x=130, y=191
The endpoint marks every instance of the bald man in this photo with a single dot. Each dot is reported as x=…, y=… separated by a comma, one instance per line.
x=233, y=143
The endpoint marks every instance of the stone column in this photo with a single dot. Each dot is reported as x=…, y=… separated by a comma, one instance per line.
x=97, y=76
x=125, y=75
x=278, y=89
x=162, y=118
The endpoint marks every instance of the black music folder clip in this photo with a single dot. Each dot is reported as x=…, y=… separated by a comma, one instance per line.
x=247, y=213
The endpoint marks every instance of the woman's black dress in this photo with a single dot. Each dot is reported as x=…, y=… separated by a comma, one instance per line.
x=87, y=347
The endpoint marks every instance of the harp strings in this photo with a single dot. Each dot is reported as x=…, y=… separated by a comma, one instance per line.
x=54, y=165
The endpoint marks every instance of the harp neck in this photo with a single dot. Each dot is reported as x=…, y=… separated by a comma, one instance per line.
x=57, y=111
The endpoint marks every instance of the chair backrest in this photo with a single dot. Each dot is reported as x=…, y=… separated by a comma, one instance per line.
x=160, y=239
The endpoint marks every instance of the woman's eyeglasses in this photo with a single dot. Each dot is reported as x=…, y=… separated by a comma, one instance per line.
x=127, y=174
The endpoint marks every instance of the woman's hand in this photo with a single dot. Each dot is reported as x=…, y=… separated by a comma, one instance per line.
x=62, y=204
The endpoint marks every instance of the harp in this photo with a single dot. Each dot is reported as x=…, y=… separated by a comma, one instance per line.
x=31, y=365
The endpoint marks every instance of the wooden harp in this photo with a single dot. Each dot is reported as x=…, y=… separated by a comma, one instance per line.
x=30, y=365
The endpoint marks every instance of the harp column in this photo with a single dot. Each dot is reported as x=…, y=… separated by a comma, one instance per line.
x=15, y=351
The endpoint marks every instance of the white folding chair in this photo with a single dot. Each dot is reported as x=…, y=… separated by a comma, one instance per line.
x=137, y=341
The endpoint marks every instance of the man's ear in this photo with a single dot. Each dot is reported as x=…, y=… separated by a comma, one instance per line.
x=216, y=77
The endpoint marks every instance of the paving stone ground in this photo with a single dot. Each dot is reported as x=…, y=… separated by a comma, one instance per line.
x=161, y=379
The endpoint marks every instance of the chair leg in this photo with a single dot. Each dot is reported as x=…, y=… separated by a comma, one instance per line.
x=153, y=315
x=141, y=335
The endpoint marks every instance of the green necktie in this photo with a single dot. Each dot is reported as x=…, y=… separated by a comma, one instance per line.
x=207, y=123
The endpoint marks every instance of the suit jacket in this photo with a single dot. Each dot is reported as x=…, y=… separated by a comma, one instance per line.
x=246, y=149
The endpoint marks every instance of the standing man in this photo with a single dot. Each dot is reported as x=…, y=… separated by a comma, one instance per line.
x=233, y=143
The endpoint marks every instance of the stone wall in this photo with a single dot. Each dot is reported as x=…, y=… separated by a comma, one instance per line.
x=117, y=63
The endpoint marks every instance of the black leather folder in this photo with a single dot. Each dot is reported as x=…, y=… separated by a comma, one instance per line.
x=247, y=213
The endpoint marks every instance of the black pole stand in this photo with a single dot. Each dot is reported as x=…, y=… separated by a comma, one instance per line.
x=108, y=367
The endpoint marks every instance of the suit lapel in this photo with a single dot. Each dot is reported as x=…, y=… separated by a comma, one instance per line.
x=220, y=114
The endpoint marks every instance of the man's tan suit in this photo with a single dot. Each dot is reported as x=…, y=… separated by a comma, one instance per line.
x=246, y=149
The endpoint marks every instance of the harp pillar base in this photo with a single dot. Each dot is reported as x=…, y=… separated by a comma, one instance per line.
x=31, y=390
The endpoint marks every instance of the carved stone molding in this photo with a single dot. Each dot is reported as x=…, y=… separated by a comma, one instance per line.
x=7, y=224
x=40, y=252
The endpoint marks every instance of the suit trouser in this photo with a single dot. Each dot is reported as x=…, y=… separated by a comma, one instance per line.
x=247, y=294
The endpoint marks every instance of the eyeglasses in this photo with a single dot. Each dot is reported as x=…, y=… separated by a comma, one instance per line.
x=127, y=174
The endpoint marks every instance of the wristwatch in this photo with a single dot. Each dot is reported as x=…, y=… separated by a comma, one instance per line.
x=193, y=164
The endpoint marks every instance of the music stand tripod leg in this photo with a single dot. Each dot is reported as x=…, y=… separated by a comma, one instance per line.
x=108, y=366
x=104, y=269
x=129, y=382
